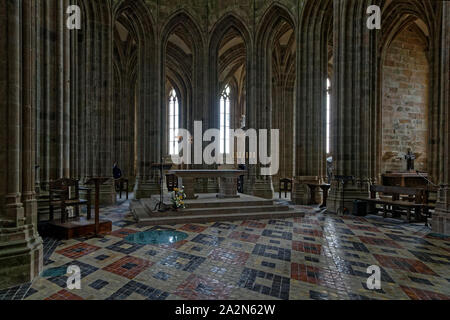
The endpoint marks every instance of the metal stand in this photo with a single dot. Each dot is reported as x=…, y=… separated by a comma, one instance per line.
x=343, y=180
x=160, y=204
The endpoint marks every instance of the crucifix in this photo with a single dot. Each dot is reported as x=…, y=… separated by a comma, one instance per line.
x=410, y=157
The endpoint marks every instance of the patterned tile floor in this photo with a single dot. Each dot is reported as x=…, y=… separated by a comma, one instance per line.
x=319, y=256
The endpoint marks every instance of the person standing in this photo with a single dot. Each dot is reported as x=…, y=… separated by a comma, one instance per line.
x=117, y=174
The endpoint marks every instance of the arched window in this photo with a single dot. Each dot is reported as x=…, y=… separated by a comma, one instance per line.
x=225, y=100
x=173, y=122
x=328, y=115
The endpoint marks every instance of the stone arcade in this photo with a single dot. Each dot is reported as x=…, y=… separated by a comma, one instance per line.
x=120, y=89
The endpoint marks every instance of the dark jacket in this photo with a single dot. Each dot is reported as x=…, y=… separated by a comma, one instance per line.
x=117, y=173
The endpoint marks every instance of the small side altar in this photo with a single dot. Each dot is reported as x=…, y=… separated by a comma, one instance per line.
x=227, y=181
x=405, y=179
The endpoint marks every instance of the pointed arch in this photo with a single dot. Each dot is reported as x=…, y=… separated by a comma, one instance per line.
x=276, y=64
x=183, y=18
x=228, y=22
x=140, y=24
x=182, y=67
x=427, y=16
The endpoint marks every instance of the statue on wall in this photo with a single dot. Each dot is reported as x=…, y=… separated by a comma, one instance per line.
x=243, y=121
x=410, y=157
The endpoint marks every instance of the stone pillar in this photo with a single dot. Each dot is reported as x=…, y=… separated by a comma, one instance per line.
x=149, y=125
x=260, y=114
x=28, y=113
x=353, y=102
x=106, y=132
x=20, y=245
x=441, y=218
x=311, y=101
x=53, y=91
x=97, y=82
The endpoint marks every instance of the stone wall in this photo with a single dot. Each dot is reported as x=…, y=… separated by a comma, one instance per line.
x=405, y=96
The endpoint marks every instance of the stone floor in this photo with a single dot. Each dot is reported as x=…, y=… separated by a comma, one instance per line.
x=320, y=256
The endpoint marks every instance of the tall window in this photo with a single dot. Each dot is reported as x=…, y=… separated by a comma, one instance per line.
x=328, y=114
x=173, y=122
x=225, y=100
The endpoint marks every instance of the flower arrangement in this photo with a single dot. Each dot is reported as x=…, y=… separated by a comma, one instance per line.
x=178, y=197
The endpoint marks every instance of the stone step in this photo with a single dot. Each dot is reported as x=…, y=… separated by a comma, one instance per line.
x=229, y=203
x=145, y=220
x=150, y=205
x=220, y=211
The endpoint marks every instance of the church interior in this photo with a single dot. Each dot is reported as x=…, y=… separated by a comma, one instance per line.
x=118, y=119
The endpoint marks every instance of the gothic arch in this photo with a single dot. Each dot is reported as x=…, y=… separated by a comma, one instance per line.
x=140, y=24
x=183, y=69
x=220, y=30
x=276, y=64
x=426, y=15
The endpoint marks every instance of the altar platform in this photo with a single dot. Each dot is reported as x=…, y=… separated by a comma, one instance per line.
x=210, y=208
x=75, y=228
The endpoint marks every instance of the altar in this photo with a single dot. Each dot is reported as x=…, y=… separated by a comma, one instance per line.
x=405, y=179
x=227, y=181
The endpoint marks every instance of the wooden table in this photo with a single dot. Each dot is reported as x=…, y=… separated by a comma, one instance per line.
x=227, y=181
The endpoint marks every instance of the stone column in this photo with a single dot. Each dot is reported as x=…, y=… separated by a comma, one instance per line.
x=149, y=126
x=353, y=101
x=20, y=245
x=311, y=101
x=96, y=110
x=441, y=218
x=251, y=119
x=53, y=98
x=76, y=60
x=259, y=102
x=106, y=132
x=28, y=126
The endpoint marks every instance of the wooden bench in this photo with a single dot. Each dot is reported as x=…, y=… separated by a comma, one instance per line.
x=60, y=193
x=414, y=200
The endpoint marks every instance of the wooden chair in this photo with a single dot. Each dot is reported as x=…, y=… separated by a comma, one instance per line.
x=285, y=186
x=61, y=196
x=172, y=182
x=119, y=184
